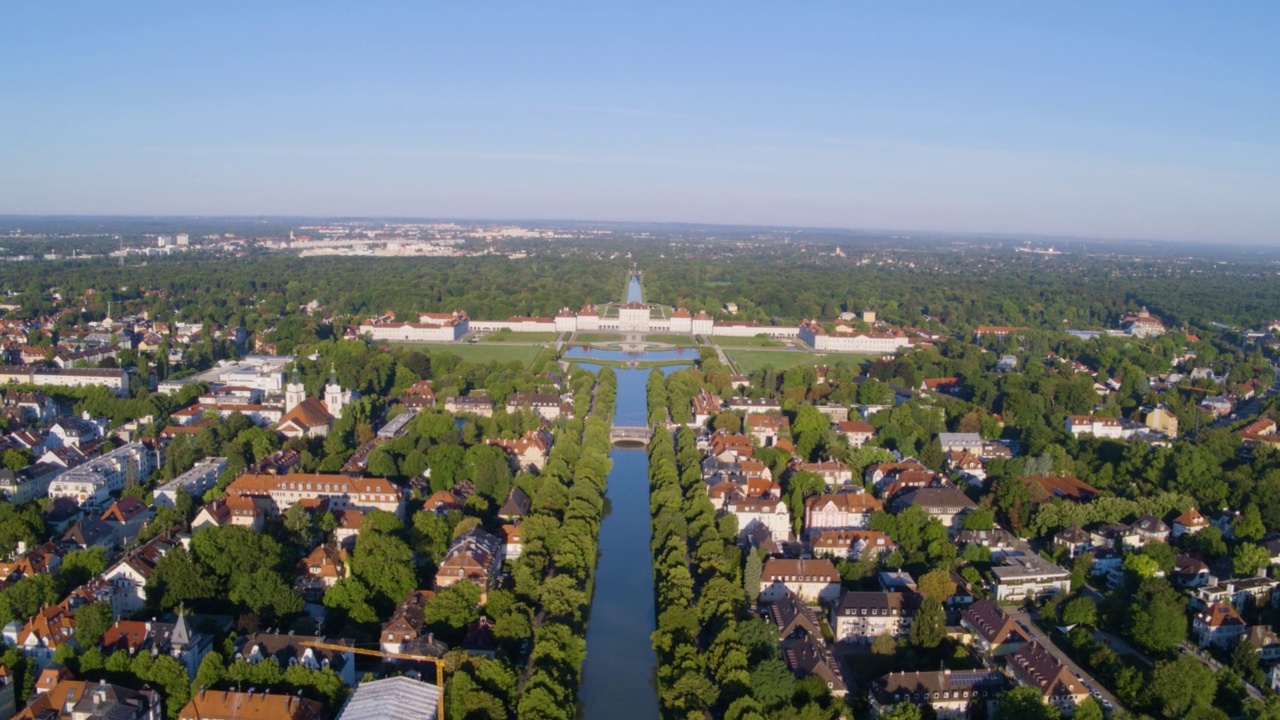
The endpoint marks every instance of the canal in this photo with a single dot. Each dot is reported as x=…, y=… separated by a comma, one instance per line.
x=634, y=292
x=619, y=672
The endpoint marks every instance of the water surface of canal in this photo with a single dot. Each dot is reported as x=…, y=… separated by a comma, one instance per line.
x=618, y=676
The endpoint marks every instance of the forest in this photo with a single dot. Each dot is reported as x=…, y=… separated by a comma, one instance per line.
x=933, y=288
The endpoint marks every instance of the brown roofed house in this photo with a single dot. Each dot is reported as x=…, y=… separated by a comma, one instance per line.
x=996, y=632
x=1035, y=666
x=810, y=580
x=1066, y=487
x=475, y=556
x=793, y=616
x=236, y=705
x=807, y=655
x=516, y=506
x=69, y=699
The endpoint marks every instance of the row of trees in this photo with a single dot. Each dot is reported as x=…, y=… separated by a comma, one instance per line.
x=713, y=656
x=556, y=569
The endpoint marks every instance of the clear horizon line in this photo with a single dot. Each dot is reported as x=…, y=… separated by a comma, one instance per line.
x=1000, y=235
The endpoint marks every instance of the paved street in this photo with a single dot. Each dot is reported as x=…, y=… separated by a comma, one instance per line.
x=1214, y=665
x=1040, y=637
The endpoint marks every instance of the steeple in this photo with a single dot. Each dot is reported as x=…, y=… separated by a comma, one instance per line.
x=334, y=397
x=181, y=636
x=294, y=393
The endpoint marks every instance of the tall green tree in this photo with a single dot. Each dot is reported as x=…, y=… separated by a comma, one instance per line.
x=1179, y=685
x=751, y=576
x=1157, y=617
x=1023, y=703
x=930, y=624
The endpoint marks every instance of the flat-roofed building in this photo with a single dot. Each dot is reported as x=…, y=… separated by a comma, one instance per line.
x=92, y=483
x=195, y=482
x=1028, y=576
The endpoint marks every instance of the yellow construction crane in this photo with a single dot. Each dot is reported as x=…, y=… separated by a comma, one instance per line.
x=438, y=662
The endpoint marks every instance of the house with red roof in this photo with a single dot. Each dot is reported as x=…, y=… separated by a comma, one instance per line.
x=1189, y=522
x=1218, y=625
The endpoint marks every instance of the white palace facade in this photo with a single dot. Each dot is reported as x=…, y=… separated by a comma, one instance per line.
x=631, y=317
x=635, y=317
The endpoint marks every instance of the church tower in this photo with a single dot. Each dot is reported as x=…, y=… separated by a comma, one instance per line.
x=334, y=398
x=294, y=394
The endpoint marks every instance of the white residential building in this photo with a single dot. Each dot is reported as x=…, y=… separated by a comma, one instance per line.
x=860, y=616
x=29, y=483
x=92, y=483
x=1102, y=427
x=431, y=327
x=840, y=511
x=812, y=333
x=810, y=580
x=341, y=492
x=195, y=482
x=1029, y=576
x=116, y=379
x=262, y=372
x=768, y=513
x=954, y=442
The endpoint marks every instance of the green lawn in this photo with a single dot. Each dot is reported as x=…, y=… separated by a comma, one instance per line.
x=526, y=337
x=677, y=340
x=751, y=360
x=742, y=342
x=597, y=337
x=480, y=352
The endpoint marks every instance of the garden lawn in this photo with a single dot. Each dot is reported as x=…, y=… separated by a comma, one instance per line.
x=677, y=340
x=742, y=342
x=596, y=337
x=480, y=352
x=514, y=337
x=750, y=361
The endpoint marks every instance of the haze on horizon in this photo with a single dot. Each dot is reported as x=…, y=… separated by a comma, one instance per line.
x=1084, y=119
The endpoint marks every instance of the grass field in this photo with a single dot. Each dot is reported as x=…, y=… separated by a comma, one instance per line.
x=527, y=337
x=677, y=340
x=481, y=352
x=743, y=342
x=596, y=337
x=751, y=360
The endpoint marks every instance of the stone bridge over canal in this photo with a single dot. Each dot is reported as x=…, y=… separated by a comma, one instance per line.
x=631, y=435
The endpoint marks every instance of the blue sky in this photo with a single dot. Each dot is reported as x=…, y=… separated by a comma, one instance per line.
x=1125, y=120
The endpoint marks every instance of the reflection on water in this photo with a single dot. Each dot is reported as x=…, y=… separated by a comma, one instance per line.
x=634, y=293
x=582, y=351
x=618, y=675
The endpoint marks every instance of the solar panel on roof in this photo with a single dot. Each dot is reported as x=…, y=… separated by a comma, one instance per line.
x=975, y=678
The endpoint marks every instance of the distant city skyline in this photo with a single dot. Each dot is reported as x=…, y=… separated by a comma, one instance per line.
x=1085, y=120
